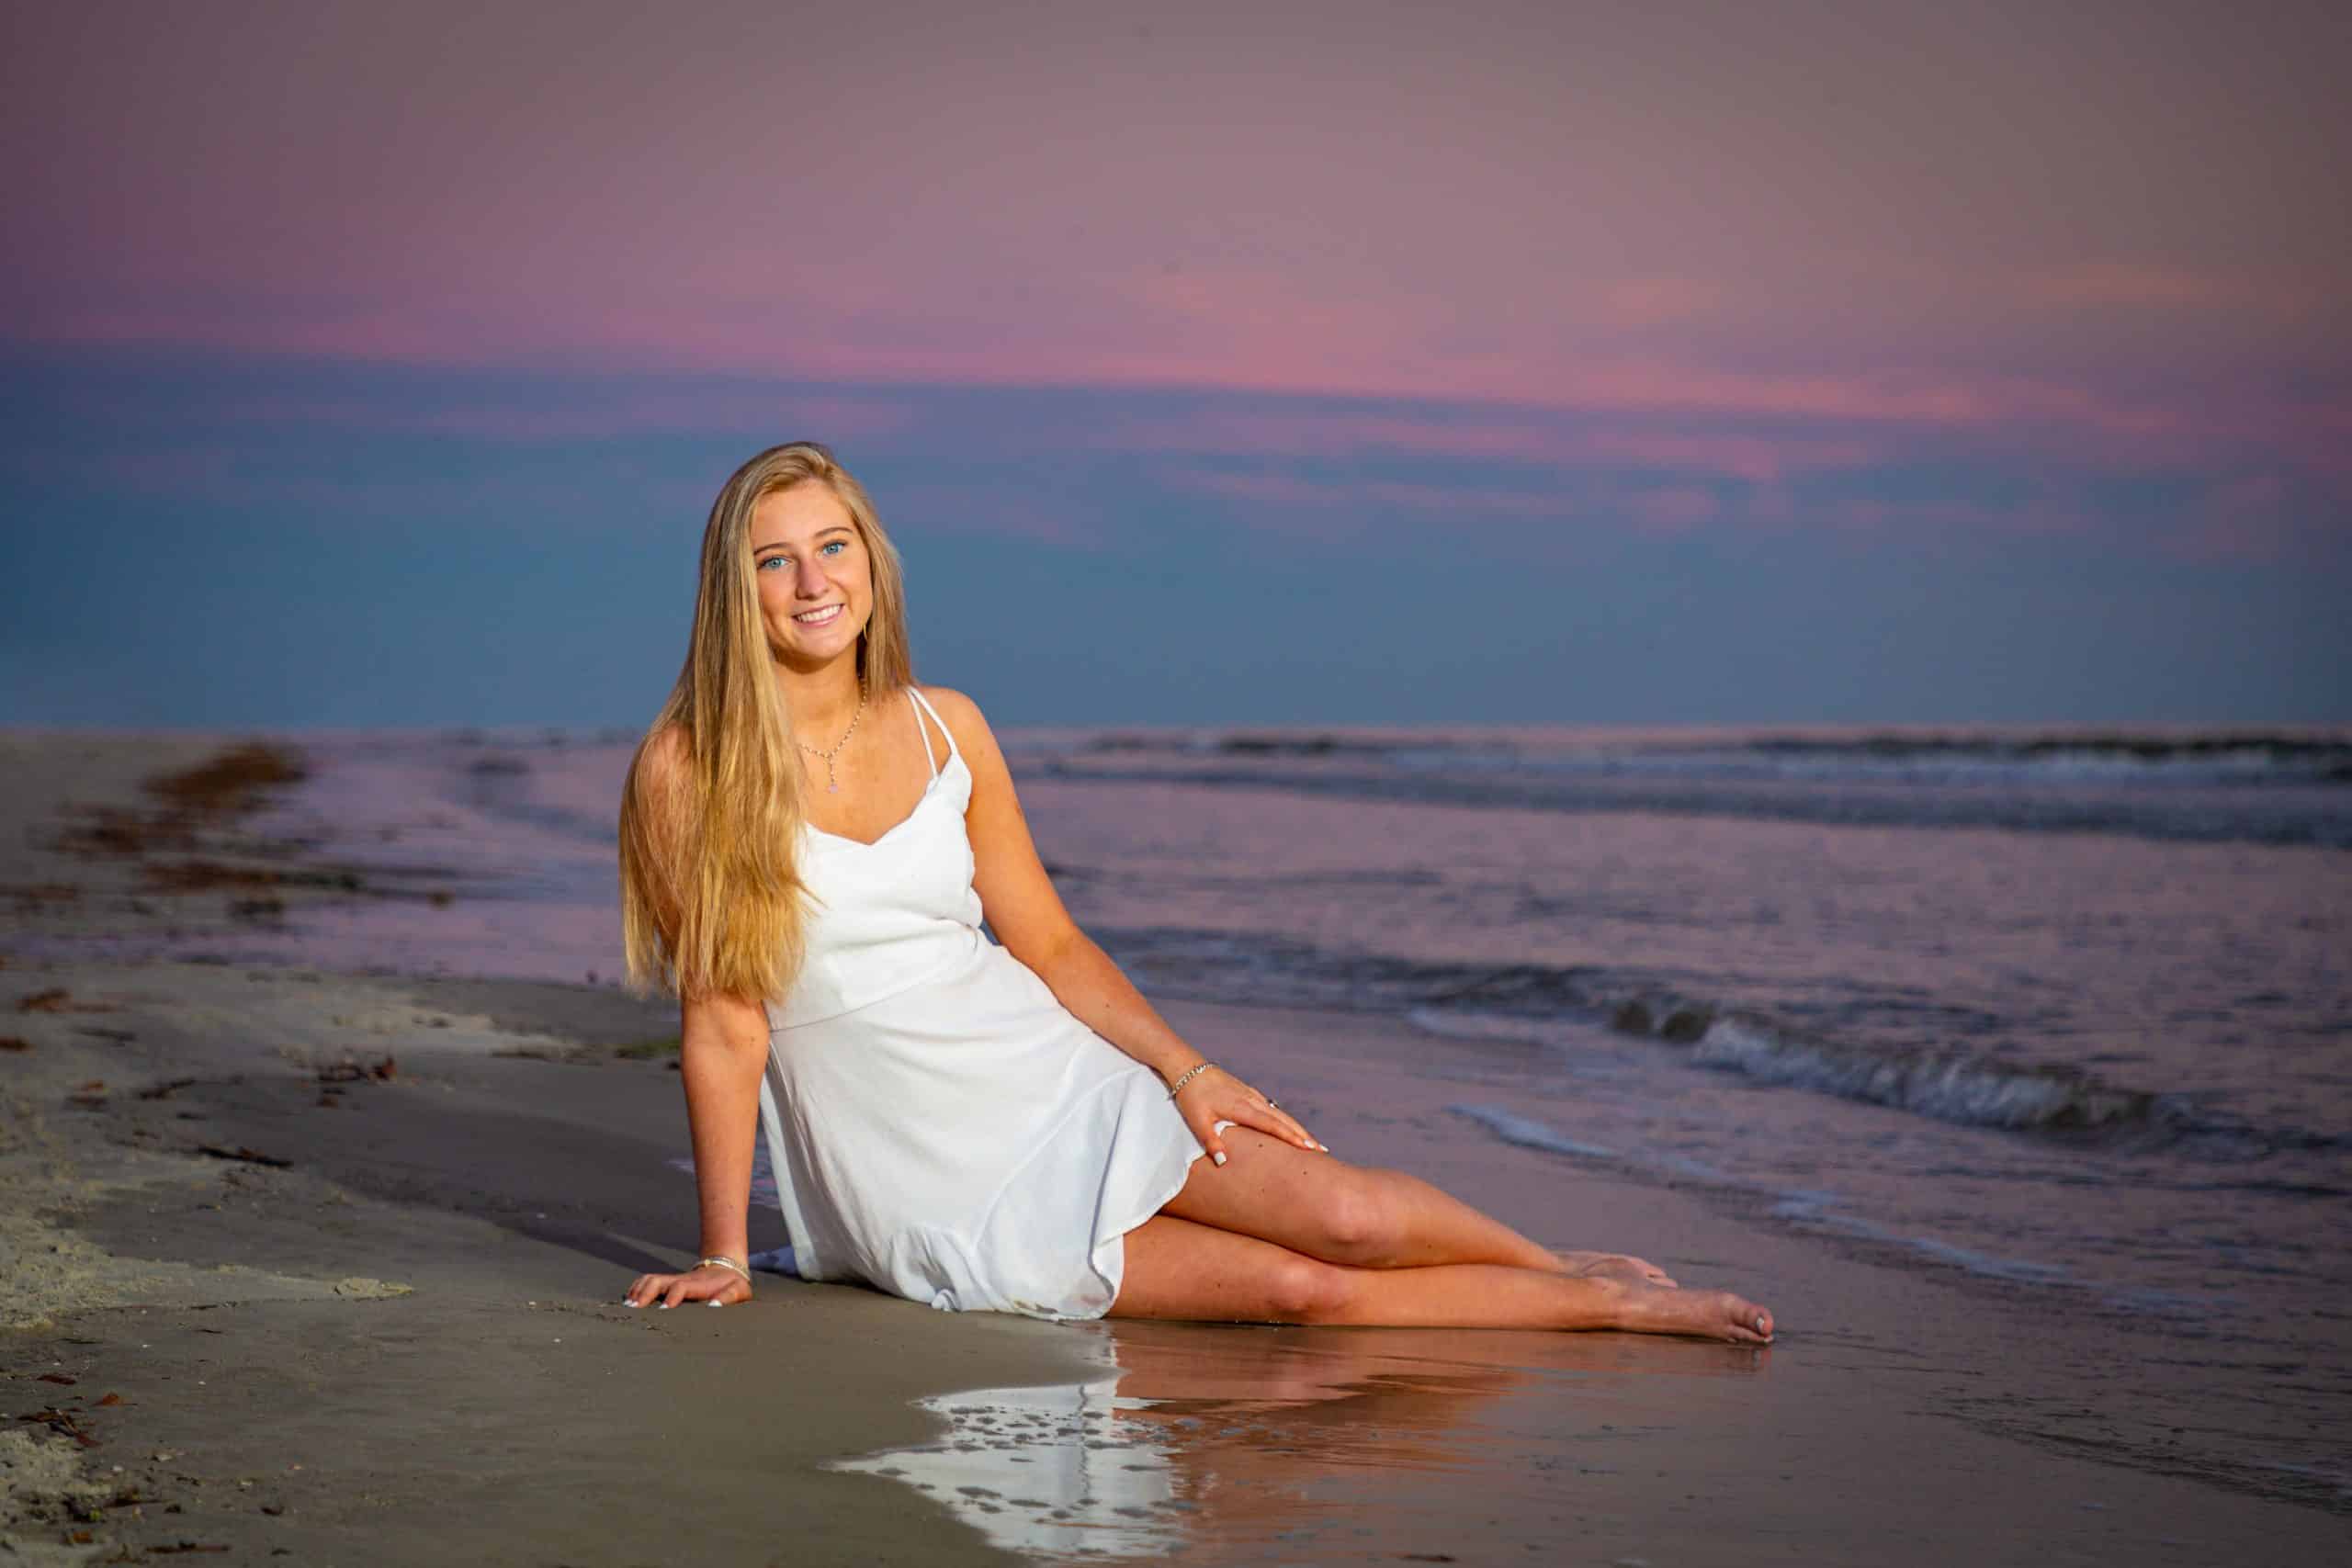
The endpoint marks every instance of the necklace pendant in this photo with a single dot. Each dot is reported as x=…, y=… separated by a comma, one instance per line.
x=834, y=787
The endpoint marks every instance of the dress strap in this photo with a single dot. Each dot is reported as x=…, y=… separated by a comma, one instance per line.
x=950, y=734
x=922, y=734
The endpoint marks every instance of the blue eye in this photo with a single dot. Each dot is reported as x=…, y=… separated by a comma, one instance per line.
x=831, y=547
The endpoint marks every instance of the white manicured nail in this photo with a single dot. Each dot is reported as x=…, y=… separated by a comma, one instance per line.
x=715, y=1304
x=1218, y=1157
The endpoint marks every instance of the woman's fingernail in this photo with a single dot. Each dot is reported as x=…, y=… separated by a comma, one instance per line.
x=1325, y=1148
x=715, y=1304
x=665, y=1306
x=1218, y=1157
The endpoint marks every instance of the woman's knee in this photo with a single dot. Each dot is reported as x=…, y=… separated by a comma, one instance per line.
x=1357, y=1219
x=1306, y=1290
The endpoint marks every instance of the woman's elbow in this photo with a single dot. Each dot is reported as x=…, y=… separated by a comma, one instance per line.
x=1051, y=950
x=723, y=1030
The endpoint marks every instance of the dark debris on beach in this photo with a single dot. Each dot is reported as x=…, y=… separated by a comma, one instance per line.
x=188, y=842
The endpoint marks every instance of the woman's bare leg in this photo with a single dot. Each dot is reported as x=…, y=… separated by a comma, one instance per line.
x=1325, y=1208
x=1617, y=1265
x=1176, y=1268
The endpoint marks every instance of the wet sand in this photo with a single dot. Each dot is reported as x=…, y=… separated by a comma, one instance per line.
x=394, y=1336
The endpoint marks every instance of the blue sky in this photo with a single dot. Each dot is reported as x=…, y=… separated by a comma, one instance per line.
x=338, y=565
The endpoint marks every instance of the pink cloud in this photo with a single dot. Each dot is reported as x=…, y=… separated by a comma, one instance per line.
x=1231, y=329
x=1258, y=330
x=1480, y=431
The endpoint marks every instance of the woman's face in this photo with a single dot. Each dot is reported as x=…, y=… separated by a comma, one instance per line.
x=816, y=580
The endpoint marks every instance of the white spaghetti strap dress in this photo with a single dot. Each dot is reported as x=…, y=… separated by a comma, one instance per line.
x=939, y=1124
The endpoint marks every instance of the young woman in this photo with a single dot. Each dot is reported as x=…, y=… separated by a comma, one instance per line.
x=808, y=845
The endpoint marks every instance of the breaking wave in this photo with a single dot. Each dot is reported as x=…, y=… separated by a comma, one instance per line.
x=1525, y=1002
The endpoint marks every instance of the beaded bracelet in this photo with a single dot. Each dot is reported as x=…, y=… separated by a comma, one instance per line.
x=1187, y=1076
x=724, y=1262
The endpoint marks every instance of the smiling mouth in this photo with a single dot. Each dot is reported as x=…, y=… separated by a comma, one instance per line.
x=825, y=616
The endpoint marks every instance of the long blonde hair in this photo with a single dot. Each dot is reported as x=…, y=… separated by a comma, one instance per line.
x=711, y=893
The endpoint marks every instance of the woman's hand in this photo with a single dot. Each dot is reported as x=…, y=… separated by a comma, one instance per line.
x=1213, y=1095
x=719, y=1287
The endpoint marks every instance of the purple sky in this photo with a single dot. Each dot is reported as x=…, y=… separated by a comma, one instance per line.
x=1892, y=278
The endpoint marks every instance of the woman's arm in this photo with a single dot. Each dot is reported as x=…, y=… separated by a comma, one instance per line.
x=722, y=1049
x=1027, y=916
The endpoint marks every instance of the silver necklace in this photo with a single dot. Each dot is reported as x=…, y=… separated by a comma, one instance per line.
x=832, y=784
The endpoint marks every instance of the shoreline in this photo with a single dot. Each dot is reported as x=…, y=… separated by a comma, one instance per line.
x=406, y=1341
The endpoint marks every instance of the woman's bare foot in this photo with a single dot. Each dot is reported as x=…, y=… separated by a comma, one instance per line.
x=1710, y=1314
x=1613, y=1266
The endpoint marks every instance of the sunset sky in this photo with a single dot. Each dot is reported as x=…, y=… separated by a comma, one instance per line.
x=1767, y=362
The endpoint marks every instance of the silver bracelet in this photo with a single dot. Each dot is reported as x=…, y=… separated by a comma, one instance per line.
x=725, y=1262
x=1187, y=1076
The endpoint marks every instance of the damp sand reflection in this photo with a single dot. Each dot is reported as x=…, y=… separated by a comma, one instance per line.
x=1210, y=1438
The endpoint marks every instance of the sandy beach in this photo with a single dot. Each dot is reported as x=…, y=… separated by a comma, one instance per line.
x=327, y=1266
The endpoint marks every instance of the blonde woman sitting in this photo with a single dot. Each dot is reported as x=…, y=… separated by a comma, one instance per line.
x=810, y=843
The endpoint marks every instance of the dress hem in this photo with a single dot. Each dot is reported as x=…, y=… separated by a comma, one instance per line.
x=1119, y=1236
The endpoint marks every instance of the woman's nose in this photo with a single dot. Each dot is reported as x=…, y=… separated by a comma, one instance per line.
x=809, y=579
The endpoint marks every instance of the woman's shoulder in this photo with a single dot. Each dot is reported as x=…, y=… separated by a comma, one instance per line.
x=665, y=753
x=952, y=705
x=658, y=773
x=961, y=717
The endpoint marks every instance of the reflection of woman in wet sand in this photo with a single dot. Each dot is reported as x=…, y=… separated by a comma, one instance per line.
x=1235, y=1441
x=1397, y=1400
x=977, y=1125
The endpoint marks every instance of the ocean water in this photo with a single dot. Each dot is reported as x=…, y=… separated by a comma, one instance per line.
x=2031, y=1010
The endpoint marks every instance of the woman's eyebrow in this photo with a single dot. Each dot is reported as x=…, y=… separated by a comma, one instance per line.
x=816, y=538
